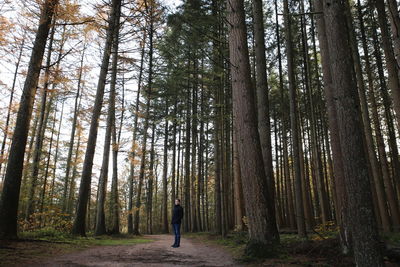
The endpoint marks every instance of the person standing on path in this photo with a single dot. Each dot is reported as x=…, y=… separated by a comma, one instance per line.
x=177, y=216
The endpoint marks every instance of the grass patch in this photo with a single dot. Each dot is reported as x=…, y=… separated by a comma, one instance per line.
x=36, y=246
x=392, y=238
x=316, y=250
x=51, y=235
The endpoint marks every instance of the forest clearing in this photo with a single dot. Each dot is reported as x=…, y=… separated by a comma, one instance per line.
x=266, y=132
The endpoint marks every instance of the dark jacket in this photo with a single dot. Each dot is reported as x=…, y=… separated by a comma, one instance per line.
x=177, y=215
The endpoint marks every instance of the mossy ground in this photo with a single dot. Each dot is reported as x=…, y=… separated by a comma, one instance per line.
x=319, y=249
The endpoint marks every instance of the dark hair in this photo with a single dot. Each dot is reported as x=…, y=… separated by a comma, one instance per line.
x=178, y=200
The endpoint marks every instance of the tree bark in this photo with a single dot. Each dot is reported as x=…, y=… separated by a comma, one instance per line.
x=341, y=195
x=360, y=207
x=263, y=118
x=255, y=187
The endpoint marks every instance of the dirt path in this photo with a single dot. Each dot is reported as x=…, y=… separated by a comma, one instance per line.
x=157, y=253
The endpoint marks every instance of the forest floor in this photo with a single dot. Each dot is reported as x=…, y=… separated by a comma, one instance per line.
x=318, y=250
x=157, y=251
x=200, y=249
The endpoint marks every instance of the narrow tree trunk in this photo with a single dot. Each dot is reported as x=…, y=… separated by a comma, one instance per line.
x=37, y=151
x=217, y=125
x=151, y=181
x=165, y=174
x=47, y=168
x=238, y=190
x=289, y=198
x=6, y=128
x=264, y=125
x=174, y=169
x=57, y=150
x=64, y=200
x=135, y=129
x=294, y=125
x=114, y=203
x=146, y=122
x=193, y=212
x=186, y=182
x=81, y=210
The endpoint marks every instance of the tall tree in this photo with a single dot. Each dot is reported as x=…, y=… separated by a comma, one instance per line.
x=264, y=125
x=341, y=195
x=301, y=227
x=84, y=189
x=255, y=187
x=73, y=130
x=6, y=129
x=367, y=251
x=135, y=130
x=12, y=181
x=149, y=95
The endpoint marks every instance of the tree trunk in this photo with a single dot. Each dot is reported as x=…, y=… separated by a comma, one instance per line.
x=149, y=96
x=135, y=129
x=6, y=128
x=12, y=180
x=255, y=187
x=341, y=195
x=391, y=63
x=165, y=175
x=81, y=210
x=375, y=167
x=263, y=118
x=114, y=203
x=64, y=200
x=379, y=186
x=57, y=150
x=360, y=207
x=301, y=228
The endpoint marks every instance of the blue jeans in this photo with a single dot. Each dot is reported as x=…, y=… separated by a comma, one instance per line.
x=177, y=232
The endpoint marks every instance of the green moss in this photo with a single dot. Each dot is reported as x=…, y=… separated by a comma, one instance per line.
x=52, y=235
x=392, y=238
x=257, y=249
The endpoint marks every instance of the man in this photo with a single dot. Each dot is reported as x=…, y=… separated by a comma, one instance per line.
x=176, y=222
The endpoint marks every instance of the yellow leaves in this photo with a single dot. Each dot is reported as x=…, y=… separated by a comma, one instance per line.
x=69, y=12
x=245, y=221
x=52, y=216
x=4, y=29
